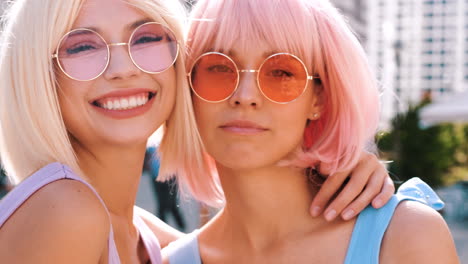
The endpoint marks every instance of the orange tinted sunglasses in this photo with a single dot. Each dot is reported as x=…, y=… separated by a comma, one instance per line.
x=281, y=78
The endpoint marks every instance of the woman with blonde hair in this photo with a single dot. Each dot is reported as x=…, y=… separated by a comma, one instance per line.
x=279, y=88
x=84, y=85
x=81, y=93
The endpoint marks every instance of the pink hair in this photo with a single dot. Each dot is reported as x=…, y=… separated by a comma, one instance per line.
x=315, y=32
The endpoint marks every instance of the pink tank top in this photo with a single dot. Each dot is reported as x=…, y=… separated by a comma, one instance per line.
x=57, y=171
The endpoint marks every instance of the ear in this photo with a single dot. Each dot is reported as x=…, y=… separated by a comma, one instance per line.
x=316, y=108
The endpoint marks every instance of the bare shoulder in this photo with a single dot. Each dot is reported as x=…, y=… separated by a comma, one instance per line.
x=64, y=221
x=417, y=234
x=165, y=233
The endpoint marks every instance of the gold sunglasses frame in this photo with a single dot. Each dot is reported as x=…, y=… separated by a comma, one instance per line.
x=108, y=45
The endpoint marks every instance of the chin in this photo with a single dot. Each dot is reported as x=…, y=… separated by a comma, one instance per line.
x=238, y=157
x=125, y=137
x=245, y=162
x=129, y=138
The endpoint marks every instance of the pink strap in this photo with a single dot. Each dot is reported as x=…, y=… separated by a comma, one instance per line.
x=149, y=239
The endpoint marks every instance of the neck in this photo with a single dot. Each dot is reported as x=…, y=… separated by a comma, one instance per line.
x=115, y=172
x=266, y=205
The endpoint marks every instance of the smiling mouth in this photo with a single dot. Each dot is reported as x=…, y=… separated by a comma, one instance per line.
x=124, y=103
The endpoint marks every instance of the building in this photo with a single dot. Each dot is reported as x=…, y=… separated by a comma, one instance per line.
x=3, y=4
x=444, y=64
x=356, y=14
x=417, y=48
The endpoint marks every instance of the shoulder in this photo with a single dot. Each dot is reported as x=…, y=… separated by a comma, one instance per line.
x=165, y=233
x=417, y=234
x=63, y=220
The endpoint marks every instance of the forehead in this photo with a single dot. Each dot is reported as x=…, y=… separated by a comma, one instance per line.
x=98, y=14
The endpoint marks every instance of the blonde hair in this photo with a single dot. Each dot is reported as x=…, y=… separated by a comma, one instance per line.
x=32, y=130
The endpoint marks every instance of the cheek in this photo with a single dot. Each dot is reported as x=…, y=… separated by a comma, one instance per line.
x=72, y=103
x=67, y=94
x=292, y=130
x=293, y=123
x=166, y=78
x=167, y=82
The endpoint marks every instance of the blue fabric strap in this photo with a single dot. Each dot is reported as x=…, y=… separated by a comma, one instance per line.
x=371, y=224
x=184, y=250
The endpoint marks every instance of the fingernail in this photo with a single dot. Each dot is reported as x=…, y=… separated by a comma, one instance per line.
x=348, y=214
x=315, y=211
x=378, y=203
x=330, y=215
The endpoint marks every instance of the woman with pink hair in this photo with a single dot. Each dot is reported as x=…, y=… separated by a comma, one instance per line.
x=283, y=94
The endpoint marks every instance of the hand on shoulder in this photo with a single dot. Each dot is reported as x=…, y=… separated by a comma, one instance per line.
x=63, y=222
x=417, y=234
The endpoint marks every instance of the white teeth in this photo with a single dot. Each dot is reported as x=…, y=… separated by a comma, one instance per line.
x=125, y=103
x=140, y=100
x=132, y=102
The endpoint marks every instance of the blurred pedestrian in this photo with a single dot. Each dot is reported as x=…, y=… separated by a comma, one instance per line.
x=165, y=192
x=5, y=185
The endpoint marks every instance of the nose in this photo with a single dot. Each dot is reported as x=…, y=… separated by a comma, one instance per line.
x=247, y=93
x=120, y=65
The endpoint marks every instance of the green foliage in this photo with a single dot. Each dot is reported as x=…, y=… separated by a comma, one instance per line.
x=427, y=153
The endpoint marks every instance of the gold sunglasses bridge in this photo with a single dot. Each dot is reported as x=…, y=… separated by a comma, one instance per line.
x=117, y=44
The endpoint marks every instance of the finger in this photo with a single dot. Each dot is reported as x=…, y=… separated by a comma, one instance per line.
x=385, y=194
x=352, y=189
x=373, y=187
x=326, y=192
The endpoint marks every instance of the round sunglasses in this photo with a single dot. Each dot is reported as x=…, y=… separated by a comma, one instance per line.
x=83, y=54
x=281, y=78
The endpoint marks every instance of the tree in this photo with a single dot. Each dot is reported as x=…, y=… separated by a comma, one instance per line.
x=427, y=153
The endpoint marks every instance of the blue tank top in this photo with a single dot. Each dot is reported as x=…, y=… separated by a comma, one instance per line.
x=366, y=239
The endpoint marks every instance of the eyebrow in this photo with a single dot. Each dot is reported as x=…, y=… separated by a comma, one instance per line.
x=129, y=27
x=138, y=23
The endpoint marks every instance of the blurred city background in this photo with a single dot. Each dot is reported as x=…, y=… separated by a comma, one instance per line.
x=418, y=50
